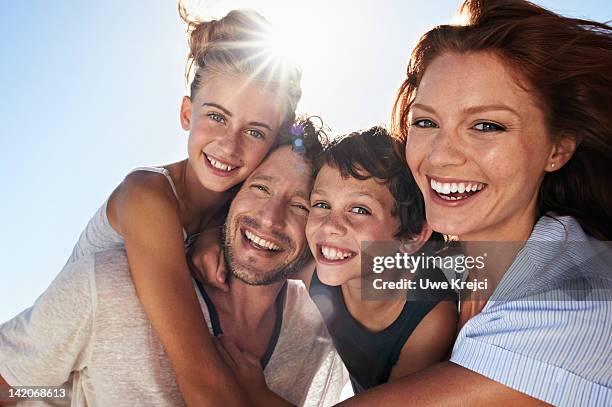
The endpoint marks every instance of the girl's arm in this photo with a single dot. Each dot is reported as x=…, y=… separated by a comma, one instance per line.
x=4, y=389
x=431, y=342
x=145, y=212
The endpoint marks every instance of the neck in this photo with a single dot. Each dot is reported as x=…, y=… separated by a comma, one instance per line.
x=517, y=227
x=498, y=257
x=197, y=204
x=245, y=305
x=375, y=315
x=501, y=243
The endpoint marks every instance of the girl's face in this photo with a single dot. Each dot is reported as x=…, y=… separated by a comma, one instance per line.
x=344, y=213
x=232, y=124
x=478, y=148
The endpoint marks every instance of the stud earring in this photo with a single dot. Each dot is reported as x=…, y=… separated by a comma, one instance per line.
x=552, y=165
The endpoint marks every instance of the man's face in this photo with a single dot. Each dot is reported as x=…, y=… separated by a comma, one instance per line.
x=264, y=239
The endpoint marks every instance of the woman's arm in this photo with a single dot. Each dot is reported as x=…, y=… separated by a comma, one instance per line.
x=442, y=385
x=431, y=342
x=144, y=211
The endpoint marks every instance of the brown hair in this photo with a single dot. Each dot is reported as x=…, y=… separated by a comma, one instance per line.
x=372, y=154
x=567, y=64
x=236, y=44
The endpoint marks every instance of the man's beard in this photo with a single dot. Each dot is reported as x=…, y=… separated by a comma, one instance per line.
x=252, y=276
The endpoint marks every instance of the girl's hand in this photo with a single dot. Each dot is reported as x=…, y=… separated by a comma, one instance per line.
x=207, y=257
x=246, y=367
x=249, y=375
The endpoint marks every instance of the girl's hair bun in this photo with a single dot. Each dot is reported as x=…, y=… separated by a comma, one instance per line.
x=238, y=44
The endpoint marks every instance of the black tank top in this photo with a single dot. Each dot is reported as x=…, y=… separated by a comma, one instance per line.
x=370, y=356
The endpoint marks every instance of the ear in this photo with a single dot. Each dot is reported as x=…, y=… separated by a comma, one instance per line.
x=186, y=113
x=562, y=151
x=414, y=244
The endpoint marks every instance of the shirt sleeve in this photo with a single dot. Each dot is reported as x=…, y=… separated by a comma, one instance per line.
x=42, y=345
x=555, y=351
x=326, y=388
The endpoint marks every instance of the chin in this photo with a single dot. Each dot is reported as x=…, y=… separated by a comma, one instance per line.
x=447, y=223
x=216, y=186
x=258, y=278
x=330, y=277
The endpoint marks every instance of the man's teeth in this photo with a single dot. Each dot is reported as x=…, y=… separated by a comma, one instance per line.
x=333, y=254
x=445, y=188
x=219, y=165
x=260, y=242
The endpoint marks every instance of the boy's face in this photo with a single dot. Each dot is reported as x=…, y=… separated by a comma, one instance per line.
x=344, y=213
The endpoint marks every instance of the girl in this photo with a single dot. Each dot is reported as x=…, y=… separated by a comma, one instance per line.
x=508, y=133
x=238, y=104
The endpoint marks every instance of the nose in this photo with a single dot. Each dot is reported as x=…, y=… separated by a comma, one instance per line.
x=333, y=224
x=273, y=214
x=230, y=143
x=445, y=149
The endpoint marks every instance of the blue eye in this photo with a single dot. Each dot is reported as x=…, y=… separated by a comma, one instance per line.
x=321, y=205
x=255, y=134
x=360, y=210
x=488, y=127
x=217, y=117
x=424, y=124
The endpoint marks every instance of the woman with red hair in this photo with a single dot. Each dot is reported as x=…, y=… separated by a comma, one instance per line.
x=507, y=125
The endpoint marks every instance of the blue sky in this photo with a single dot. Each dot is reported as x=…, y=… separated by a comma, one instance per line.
x=91, y=90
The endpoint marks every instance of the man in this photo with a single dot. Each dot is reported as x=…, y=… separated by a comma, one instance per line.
x=89, y=328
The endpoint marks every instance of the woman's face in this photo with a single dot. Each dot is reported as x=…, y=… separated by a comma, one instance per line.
x=233, y=122
x=344, y=213
x=478, y=148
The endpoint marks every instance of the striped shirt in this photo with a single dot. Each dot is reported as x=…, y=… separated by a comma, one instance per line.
x=547, y=329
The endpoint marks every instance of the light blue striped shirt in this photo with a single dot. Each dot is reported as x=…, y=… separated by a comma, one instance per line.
x=547, y=329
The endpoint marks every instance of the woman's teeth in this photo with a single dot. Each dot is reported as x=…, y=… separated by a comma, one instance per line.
x=334, y=254
x=219, y=165
x=445, y=188
x=260, y=241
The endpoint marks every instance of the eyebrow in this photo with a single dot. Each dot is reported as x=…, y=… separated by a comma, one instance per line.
x=227, y=112
x=224, y=110
x=471, y=110
x=269, y=178
x=488, y=108
x=302, y=194
x=423, y=107
x=363, y=193
x=262, y=177
x=318, y=191
x=358, y=193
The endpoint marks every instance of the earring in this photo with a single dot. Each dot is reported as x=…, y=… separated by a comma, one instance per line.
x=552, y=165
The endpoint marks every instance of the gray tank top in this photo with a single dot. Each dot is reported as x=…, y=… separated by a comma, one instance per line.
x=99, y=235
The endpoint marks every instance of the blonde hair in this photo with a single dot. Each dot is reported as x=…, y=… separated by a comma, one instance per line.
x=235, y=44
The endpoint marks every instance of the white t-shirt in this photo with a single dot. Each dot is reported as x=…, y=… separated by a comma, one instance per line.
x=89, y=330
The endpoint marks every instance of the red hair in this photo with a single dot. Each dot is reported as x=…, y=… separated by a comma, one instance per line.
x=566, y=64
